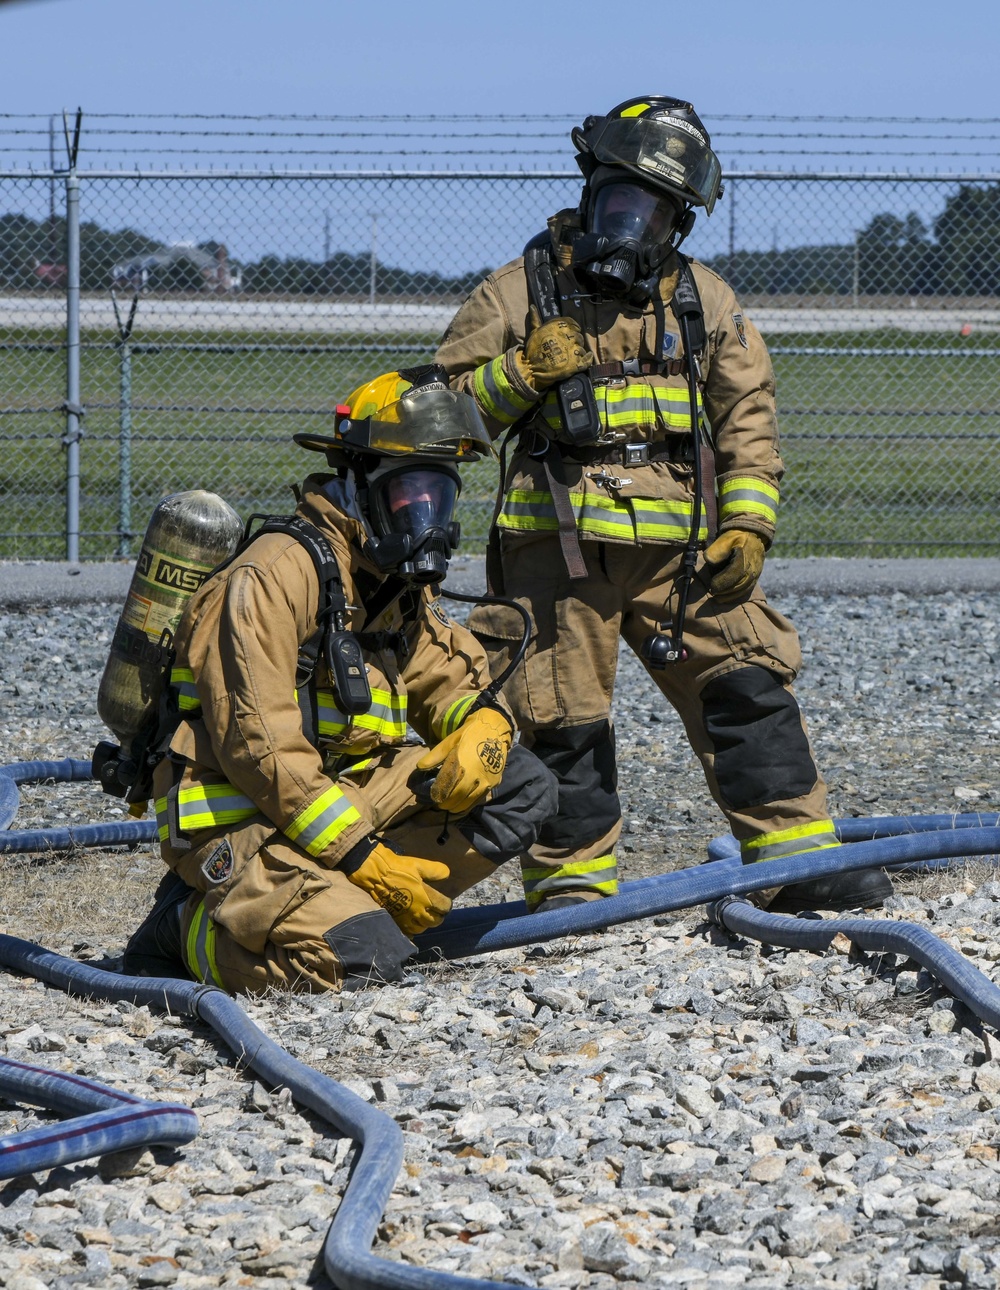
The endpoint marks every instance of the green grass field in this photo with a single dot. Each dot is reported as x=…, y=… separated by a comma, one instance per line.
x=886, y=455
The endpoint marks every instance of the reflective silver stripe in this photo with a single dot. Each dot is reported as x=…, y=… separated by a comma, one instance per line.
x=386, y=716
x=182, y=680
x=322, y=821
x=599, y=874
x=456, y=714
x=748, y=497
x=496, y=395
x=791, y=847
x=206, y=806
x=641, y=405
x=200, y=947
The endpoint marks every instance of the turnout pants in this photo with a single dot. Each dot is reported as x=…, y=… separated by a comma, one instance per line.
x=265, y=913
x=733, y=694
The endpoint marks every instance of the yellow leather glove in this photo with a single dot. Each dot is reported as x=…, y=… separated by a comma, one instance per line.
x=741, y=554
x=399, y=884
x=472, y=761
x=553, y=351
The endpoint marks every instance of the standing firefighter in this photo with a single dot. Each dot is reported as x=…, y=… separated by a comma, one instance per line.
x=308, y=841
x=591, y=351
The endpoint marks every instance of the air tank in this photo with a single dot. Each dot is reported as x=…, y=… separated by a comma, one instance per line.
x=188, y=535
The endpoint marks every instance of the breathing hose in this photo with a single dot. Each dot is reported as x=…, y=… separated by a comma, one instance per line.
x=491, y=691
x=350, y=1264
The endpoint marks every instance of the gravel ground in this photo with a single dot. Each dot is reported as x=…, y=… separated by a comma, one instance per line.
x=657, y=1105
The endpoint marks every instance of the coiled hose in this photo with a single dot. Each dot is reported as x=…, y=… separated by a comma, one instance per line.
x=888, y=842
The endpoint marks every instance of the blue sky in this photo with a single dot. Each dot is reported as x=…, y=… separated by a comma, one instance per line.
x=318, y=56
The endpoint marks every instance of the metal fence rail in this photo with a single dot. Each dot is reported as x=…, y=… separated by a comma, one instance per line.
x=262, y=298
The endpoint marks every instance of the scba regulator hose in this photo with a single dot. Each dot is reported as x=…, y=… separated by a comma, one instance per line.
x=891, y=842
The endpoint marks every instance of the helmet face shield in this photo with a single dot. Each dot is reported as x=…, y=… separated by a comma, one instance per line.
x=672, y=152
x=430, y=422
x=629, y=212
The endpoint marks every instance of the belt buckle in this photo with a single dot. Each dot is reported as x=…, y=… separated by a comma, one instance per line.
x=630, y=367
x=635, y=454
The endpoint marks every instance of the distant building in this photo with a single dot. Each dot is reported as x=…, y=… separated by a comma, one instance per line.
x=50, y=275
x=181, y=265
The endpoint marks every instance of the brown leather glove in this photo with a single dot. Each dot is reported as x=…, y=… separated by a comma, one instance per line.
x=399, y=884
x=553, y=351
x=741, y=554
x=472, y=760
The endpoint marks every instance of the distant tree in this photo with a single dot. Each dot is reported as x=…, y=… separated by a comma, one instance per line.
x=968, y=236
x=895, y=256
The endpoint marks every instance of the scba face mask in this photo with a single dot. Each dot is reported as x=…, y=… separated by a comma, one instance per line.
x=411, y=510
x=628, y=238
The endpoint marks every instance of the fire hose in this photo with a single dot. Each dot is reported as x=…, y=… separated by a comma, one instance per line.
x=121, y=1120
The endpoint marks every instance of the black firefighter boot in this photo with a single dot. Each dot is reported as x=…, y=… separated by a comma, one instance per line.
x=154, y=948
x=862, y=889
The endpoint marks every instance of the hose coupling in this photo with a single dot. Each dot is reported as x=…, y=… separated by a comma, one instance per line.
x=717, y=909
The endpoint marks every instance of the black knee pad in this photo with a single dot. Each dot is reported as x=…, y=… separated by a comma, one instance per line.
x=371, y=949
x=761, y=751
x=582, y=758
x=526, y=797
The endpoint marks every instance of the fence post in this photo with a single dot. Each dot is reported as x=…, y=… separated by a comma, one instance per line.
x=74, y=411
x=124, y=425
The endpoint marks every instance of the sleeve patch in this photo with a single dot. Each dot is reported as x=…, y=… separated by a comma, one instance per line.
x=741, y=330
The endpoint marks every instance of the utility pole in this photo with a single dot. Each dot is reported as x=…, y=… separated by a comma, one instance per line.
x=53, y=244
x=373, y=262
x=856, y=276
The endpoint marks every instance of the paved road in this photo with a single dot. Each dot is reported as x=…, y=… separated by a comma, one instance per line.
x=23, y=585
x=245, y=314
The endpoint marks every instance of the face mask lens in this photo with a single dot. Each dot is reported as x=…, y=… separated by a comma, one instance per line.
x=629, y=212
x=418, y=500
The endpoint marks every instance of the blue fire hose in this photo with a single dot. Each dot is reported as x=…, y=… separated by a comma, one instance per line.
x=887, y=842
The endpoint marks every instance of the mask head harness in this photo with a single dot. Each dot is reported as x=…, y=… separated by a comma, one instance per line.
x=402, y=436
x=646, y=165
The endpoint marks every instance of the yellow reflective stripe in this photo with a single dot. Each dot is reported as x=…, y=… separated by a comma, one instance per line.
x=599, y=874
x=637, y=519
x=748, y=496
x=322, y=821
x=456, y=713
x=182, y=680
x=729, y=509
x=816, y=836
x=655, y=516
x=162, y=827
x=748, y=481
x=200, y=947
x=496, y=395
x=206, y=806
x=386, y=716
x=637, y=404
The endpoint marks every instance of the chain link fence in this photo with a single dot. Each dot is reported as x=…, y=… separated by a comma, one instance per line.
x=183, y=325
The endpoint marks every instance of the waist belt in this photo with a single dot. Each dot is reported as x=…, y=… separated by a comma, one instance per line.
x=677, y=448
x=633, y=367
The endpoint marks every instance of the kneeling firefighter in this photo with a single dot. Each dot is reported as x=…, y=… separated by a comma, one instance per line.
x=639, y=503
x=307, y=839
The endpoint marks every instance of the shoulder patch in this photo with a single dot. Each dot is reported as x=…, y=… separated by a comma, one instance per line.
x=218, y=864
x=439, y=613
x=741, y=330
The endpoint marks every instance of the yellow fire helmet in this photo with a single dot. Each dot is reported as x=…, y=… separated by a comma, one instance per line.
x=411, y=412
